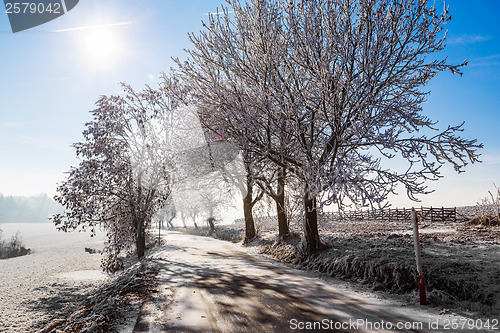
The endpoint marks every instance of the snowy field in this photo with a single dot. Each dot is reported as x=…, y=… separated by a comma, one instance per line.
x=34, y=287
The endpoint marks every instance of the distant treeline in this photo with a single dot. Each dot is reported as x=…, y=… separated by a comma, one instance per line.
x=21, y=209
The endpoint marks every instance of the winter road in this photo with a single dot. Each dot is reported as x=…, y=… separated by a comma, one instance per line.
x=209, y=285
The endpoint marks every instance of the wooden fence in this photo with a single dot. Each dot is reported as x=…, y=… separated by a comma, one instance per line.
x=398, y=214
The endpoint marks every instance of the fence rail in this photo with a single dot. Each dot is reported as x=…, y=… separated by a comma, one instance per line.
x=398, y=214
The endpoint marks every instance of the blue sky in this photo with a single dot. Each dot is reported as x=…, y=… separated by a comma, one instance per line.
x=52, y=75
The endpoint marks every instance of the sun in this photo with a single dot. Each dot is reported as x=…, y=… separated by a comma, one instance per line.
x=101, y=46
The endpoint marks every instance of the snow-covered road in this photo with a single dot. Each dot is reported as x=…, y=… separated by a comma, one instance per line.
x=209, y=285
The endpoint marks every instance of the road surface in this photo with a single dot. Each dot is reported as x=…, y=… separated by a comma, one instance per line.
x=208, y=285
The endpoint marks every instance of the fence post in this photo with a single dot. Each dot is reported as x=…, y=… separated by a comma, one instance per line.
x=421, y=278
x=159, y=232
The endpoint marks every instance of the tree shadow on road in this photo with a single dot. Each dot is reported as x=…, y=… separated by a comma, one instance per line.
x=263, y=298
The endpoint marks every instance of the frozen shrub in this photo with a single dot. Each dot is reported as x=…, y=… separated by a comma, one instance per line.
x=12, y=248
x=488, y=210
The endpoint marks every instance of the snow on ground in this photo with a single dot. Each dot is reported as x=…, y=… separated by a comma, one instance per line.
x=34, y=287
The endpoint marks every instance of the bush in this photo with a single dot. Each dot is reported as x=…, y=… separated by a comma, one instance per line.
x=13, y=247
x=488, y=209
x=485, y=221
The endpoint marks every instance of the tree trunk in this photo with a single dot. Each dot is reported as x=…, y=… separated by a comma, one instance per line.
x=140, y=238
x=282, y=218
x=183, y=219
x=311, y=223
x=280, y=205
x=210, y=221
x=211, y=218
x=193, y=217
x=247, y=211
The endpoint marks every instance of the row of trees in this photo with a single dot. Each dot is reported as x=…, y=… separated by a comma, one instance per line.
x=320, y=94
x=315, y=97
x=123, y=178
x=22, y=209
x=137, y=150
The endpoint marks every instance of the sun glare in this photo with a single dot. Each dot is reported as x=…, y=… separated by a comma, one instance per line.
x=101, y=47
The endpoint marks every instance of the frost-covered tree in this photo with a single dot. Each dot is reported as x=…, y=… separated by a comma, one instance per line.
x=188, y=207
x=221, y=146
x=208, y=168
x=166, y=214
x=207, y=196
x=331, y=90
x=124, y=174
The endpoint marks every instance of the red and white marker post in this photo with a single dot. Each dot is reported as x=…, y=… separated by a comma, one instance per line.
x=416, y=240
